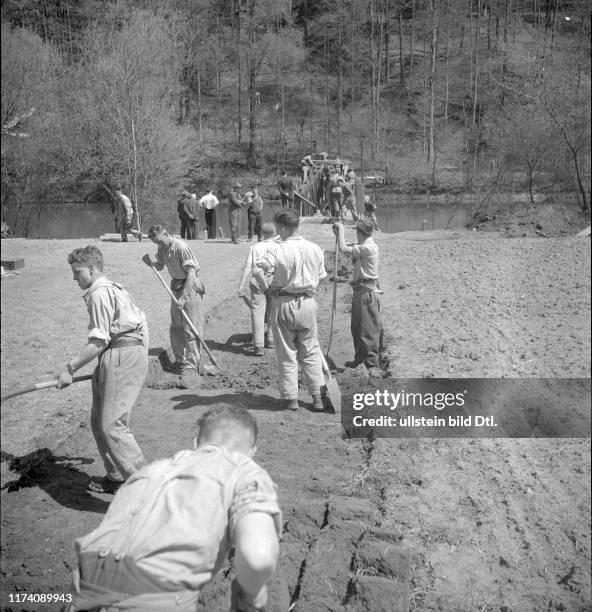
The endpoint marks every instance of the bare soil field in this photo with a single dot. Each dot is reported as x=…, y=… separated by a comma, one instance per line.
x=369, y=525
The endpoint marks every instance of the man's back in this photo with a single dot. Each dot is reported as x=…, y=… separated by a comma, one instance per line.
x=176, y=517
x=298, y=264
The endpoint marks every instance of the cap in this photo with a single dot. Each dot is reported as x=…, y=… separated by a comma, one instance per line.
x=186, y=194
x=365, y=226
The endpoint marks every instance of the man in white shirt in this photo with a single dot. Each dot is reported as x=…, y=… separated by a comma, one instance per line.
x=209, y=203
x=296, y=267
x=260, y=303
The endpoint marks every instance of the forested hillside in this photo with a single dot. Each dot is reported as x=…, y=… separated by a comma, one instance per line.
x=154, y=95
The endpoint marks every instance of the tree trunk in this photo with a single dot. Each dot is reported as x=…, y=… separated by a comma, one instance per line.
x=435, y=6
x=447, y=64
x=238, y=65
x=340, y=82
x=411, y=42
x=372, y=82
x=401, y=68
x=477, y=36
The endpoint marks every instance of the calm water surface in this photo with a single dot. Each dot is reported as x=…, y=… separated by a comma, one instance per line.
x=90, y=220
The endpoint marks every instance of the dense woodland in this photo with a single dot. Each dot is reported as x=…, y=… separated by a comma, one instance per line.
x=154, y=95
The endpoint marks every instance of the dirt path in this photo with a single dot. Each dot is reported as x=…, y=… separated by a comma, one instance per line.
x=412, y=524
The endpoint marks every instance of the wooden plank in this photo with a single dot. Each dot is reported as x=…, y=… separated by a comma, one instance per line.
x=13, y=264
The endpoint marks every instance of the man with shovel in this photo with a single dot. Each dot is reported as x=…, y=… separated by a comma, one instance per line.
x=366, y=327
x=118, y=336
x=188, y=292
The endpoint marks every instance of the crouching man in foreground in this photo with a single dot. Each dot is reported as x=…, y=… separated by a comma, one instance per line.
x=171, y=525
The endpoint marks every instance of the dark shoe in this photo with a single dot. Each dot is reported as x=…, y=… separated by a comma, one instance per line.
x=352, y=364
x=269, y=343
x=290, y=404
x=176, y=368
x=258, y=351
x=104, y=485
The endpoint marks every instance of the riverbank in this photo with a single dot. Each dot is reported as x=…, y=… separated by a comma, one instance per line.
x=409, y=524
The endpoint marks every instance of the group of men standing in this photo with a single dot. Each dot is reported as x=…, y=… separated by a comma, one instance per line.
x=188, y=207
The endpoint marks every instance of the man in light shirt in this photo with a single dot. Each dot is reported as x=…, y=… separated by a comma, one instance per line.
x=366, y=326
x=118, y=337
x=169, y=529
x=295, y=266
x=209, y=203
x=188, y=290
x=260, y=303
x=124, y=214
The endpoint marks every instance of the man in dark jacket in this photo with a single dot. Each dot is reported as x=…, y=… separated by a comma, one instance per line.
x=192, y=208
x=235, y=202
x=183, y=214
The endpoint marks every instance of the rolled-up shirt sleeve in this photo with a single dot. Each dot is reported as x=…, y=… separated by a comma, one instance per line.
x=100, y=319
x=254, y=492
x=267, y=261
x=187, y=259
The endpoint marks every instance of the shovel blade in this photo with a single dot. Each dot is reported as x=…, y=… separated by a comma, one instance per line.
x=333, y=394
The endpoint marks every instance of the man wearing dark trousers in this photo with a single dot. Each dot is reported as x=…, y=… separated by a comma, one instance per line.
x=235, y=203
x=366, y=327
x=209, y=203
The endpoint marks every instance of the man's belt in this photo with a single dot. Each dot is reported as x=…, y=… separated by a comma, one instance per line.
x=365, y=284
x=291, y=294
x=124, y=341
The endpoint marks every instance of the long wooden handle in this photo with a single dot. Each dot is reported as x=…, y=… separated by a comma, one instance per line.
x=334, y=294
x=306, y=200
x=42, y=385
x=186, y=317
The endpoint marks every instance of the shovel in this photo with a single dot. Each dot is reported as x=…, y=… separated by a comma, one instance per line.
x=42, y=385
x=333, y=390
x=334, y=307
x=216, y=365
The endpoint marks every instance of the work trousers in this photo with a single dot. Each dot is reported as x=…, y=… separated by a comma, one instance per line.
x=105, y=582
x=184, y=222
x=260, y=309
x=210, y=216
x=123, y=225
x=116, y=384
x=294, y=325
x=234, y=221
x=287, y=201
x=366, y=326
x=350, y=204
x=183, y=342
x=336, y=201
x=191, y=225
x=255, y=223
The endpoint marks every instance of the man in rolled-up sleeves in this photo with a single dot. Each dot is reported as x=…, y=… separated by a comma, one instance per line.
x=188, y=290
x=118, y=337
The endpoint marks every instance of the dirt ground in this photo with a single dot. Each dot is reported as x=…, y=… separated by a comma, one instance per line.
x=385, y=525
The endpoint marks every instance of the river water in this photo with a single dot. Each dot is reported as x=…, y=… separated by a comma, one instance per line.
x=92, y=219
